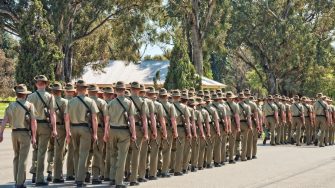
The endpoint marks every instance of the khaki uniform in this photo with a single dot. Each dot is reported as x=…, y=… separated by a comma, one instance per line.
x=253, y=134
x=97, y=164
x=279, y=129
x=234, y=109
x=69, y=158
x=177, y=156
x=287, y=126
x=20, y=138
x=245, y=113
x=224, y=134
x=80, y=132
x=221, y=141
x=170, y=111
x=119, y=137
x=159, y=112
x=43, y=133
x=107, y=156
x=269, y=110
x=320, y=108
x=308, y=131
x=60, y=149
x=297, y=112
x=329, y=130
x=196, y=141
x=135, y=152
x=203, y=142
x=143, y=165
x=332, y=126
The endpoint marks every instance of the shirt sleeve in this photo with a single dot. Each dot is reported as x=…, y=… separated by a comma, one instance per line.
x=32, y=111
x=131, y=110
x=94, y=107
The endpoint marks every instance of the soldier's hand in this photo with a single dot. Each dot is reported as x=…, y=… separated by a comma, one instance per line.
x=33, y=141
x=208, y=135
x=68, y=138
x=238, y=129
x=54, y=134
x=154, y=136
x=203, y=136
x=175, y=135
x=106, y=138
x=133, y=138
x=219, y=134
x=164, y=136
x=146, y=137
x=95, y=137
x=189, y=136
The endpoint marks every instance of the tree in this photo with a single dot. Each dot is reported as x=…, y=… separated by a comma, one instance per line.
x=181, y=72
x=7, y=75
x=38, y=52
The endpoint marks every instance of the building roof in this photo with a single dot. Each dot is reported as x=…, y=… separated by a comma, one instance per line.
x=143, y=72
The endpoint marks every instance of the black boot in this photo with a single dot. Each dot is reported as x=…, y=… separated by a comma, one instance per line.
x=49, y=178
x=88, y=177
x=33, y=179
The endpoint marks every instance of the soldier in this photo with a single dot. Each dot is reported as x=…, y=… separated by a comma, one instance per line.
x=246, y=127
x=281, y=117
x=287, y=124
x=298, y=118
x=332, y=124
x=141, y=130
x=253, y=133
x=289, y=121
x=184, y=132
x=97, y=165
x=308, y=113
x=21, y=117
x=170, y=119
x=80, y=117
x=204, y=132
x=121, y=112
x=271, y=117
x=69, y=92
x=161, y=133
x=198, y=126
x=322, y=118
x=330, y=117
x=45, y=106
x=226, y=127
x=108, y=96
x=143, y=167
x=235, y=128
x=61, y=104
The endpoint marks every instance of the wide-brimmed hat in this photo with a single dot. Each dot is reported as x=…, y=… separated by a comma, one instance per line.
x=296, y=97
x=135, y=85
x=127, y=93
x=57, y=86
x=230, y=95
x=207, y=92
x=120, y=85
x=151, y=90
x=319, y=95
x=241, y=95
x=93, y=87
x=270, y=97
x=215, y=96
x=247, y=92
x=42, y=78
x=207, y=98
x=329, y=99
x=81, y=83
x=277, y=96
x=108, y=90
x=200, y=100
x=184, y=96
x=304, y=98
x=191, y=89
x=69, y=87
x=142, y=87
x=200, y=93
x=22, y=89
x=176, y=93
x=163, y=92
x=192, y=102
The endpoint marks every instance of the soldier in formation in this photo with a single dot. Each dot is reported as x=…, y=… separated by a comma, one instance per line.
x=118, y=136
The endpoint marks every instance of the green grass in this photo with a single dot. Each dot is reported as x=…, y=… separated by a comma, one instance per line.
x=3, y=107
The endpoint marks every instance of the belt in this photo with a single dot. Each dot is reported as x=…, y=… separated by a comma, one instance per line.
x=243, y=120
x=100, y=125
x=180, y=125
x=296, y=116
x=137, y=124
x=20, y=129
x=42, y=121
x=59, y=123
x=270, y=116
x=306, y=116
x=119, y=127
x=321, y=115
x=79, y=124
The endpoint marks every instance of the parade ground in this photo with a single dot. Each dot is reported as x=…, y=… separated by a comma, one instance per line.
x=280, y=166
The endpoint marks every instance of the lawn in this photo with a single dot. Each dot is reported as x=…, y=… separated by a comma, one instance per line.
x=3, y=107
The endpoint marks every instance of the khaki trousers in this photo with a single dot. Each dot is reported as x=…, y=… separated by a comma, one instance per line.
x=154, y=154
x=210, y=147
x=308, y=130
x=59, y=152
x=224, y=137
x=321, y=123
x=272, y=126
x=279, y=133
x=186, y=154
x=180, y=149
x=297, y=124
x=166, y=150
x=135, y=154
x=232, y=139
x=202, y=151
x=69, y=160
x=43, y=136
x=119, y=140
x=195, y=150
x=252, y=141
x=107, y=166
x=244, y=139
x=21, y=146
x=97, y=163
x=81, y=140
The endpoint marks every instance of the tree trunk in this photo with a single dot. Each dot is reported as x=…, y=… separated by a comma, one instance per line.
x=197, y=51
x=67, y=63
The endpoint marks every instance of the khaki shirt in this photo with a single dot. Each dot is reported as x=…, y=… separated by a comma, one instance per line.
x=221, y=110
x=307, y=109
x=198, y=115
x=287, y=109
x=233, y=108
x=193, y=116
x=116, y=111
x=38, y=104
x=181, y=109
x=77, y=110
x=159, y=111
x=260, y=111
x=141, y=107
x=297, y=109
x=269, y=109
x=62, y=104
x=252, y=105
x=245, y=111
x=16, y=114
x=170, y=111
x=320, y=107
x=102, y=106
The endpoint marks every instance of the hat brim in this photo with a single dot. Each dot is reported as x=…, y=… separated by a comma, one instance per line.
x=24, y=92
x=231, y=97
x=57, y=89
x=69, y=90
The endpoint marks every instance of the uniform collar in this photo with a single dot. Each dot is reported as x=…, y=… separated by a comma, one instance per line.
x=20, y=100
x=41, y=90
